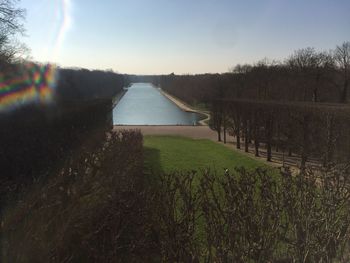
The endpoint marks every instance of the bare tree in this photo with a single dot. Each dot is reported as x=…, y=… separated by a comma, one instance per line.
x=216, y=120
x=240, y=72
x=11, y=18
x=310, y=66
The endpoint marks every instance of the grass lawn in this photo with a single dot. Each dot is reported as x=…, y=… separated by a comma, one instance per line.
x=169, y=153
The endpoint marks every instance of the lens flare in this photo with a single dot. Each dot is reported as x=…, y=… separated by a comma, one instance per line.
x=35, y=84
x=64, y=18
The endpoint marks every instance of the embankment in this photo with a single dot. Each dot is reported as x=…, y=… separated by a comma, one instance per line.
x=205, y=116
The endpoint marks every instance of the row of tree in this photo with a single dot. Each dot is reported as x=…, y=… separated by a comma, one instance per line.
x=311, y=130
x=306, y=75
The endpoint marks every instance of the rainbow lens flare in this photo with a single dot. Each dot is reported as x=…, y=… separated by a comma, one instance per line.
x=33, y=84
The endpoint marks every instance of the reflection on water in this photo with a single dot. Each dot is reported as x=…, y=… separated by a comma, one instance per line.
x=143, y=104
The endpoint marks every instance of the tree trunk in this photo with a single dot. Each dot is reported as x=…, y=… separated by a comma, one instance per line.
x=269, y=127
x=224, y=129
x=330, y=142
x=344, y=93
x=256, y=146
x=238, y=140
x=305, y=143
x=219, y=134
x=249, y=132
x=256, y=141
x=278, y=139
x=256, y=134
x=315, y=89
x=238, y=132
x=246, y=139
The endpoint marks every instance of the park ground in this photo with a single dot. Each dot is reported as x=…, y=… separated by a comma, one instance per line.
x=198, y=135
x=173, y=153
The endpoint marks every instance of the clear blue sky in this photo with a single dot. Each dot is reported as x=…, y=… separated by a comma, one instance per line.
x=181, y=36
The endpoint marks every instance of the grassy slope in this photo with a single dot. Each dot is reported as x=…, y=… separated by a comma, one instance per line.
x=169, y=153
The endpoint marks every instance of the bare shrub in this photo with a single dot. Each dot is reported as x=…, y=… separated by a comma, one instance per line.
x=177, y=214
x=92, y=211
x=255, y=216
x=316, y=205
x=242, y=214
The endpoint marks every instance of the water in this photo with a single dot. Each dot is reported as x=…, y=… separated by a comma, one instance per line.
x=143, y=104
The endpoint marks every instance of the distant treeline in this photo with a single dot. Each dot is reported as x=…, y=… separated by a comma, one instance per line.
x=306, y=75
x=140, y=78
x=83, y=84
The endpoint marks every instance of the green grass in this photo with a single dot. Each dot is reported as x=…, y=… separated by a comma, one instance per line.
x=171, y=153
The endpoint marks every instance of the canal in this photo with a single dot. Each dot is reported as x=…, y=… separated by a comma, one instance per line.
x=143, y=104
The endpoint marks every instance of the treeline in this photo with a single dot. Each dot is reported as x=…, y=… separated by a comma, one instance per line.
x=84, y=84
x=64, y=84
x=140, y=78
x=192, y=89
x=46, y=113
x=306, y=75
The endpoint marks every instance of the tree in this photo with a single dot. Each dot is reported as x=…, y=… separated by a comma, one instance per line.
x=240, y=73
x=11, y=18
x=309, y=66
x=216, y=119
x=342, y=58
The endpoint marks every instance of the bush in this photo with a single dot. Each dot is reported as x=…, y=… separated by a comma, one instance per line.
x=102, y=207
x=254, y=217
x=92, y=210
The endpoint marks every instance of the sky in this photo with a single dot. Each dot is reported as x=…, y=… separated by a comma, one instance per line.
x=180, y=36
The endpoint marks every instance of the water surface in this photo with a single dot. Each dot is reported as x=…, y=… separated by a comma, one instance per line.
x=143, y=104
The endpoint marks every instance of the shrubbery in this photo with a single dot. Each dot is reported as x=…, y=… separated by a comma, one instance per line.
x=255, y=217
x=92, y=210
x=102, y=207
x=37, y=137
